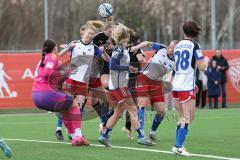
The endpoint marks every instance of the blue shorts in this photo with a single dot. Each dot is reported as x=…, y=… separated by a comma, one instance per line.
x=55, y=101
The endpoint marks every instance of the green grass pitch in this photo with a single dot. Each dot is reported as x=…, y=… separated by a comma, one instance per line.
x=213, y=132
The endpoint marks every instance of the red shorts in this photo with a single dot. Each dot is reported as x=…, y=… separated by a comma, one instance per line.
x=146, y=87
x=95, y=83
x=118, y=95
x=75, y=87
x=183, y=96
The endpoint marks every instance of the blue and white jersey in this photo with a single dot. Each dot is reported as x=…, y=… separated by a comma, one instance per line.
x=186, y=53
x=82, y=56
x=159, y=65
x=119, y=68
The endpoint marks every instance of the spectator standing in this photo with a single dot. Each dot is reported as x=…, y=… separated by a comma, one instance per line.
x=201, y=95
x=223, y=66
x=214, y=79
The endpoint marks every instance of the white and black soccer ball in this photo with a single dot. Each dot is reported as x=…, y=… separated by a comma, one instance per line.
x=105, y=10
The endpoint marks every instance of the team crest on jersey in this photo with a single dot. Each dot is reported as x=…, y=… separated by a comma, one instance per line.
x=49, y=65
x=234, y=73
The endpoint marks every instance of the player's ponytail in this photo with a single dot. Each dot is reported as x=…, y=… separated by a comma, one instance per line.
x=43, y=57
x=96, y=23
x=48, y=47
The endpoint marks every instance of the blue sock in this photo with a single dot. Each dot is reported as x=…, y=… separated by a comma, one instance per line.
x=181, y=135
x=59, y=122
x=82, y=107
x=141, y=116
x=157, y=121
x=104, y=113
x=177, y=128
x=140, y=132
x=106, y=132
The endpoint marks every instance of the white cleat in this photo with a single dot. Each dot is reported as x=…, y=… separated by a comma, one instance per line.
x=180, y=151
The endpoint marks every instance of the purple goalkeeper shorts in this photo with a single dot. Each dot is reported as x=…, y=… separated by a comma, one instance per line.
x=55, y=101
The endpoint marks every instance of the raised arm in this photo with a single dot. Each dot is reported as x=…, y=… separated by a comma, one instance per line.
x=114, y=63
x=66, y=49
x=141, y=45
x=104, y=54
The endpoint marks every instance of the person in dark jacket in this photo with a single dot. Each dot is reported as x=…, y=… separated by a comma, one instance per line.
x=214, y=79
x=223, y=66
x=201, y=95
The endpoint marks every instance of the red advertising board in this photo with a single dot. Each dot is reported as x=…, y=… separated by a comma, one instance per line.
x=17, y=71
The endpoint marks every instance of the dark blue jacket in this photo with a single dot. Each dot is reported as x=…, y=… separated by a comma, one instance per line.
x=213, y=75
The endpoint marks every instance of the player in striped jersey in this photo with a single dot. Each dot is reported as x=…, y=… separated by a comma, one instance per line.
x=118, y=86
x=136, y=59
x=82, y=57
x=188, y=56
x=150, y=81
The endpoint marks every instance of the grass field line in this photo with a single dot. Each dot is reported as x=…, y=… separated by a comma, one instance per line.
x=147, y=111
x=128, y=148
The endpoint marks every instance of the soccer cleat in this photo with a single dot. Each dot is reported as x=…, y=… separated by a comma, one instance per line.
x=153, y=137
x=59, y=135
x=80, y=141
x=180, y=151
x=7, y=151
x=127, y=132
x=145, y=141
x=104, y=141
x=85, y=142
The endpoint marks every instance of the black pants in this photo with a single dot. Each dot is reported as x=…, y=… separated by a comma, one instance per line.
x=215, y=102
x=201, y=96
x=224, y=95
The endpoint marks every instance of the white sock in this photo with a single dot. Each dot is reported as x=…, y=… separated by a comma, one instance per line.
x=73, y=135
x=78, y=132
x=59, y=128
x=153, y=132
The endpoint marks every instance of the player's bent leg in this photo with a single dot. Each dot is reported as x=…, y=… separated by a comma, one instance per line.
x=127, y=128
x=141, y=109
x=104, y=138
x=58, y=132
x=158, y=118
x=72, y=121
x=141, y=139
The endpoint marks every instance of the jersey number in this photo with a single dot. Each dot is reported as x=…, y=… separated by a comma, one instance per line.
x=182, y=59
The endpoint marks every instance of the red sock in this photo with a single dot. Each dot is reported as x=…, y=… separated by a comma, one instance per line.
x=72, y=119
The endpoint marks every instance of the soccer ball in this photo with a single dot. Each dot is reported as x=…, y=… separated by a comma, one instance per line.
x=105, y=10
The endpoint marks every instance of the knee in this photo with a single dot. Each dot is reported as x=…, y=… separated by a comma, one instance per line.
x=161, y=111
x=117, y=114
x=186, y=120
x=133, y=113
x=132, y=110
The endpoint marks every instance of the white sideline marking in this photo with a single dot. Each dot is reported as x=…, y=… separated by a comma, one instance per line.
x=129, y=148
